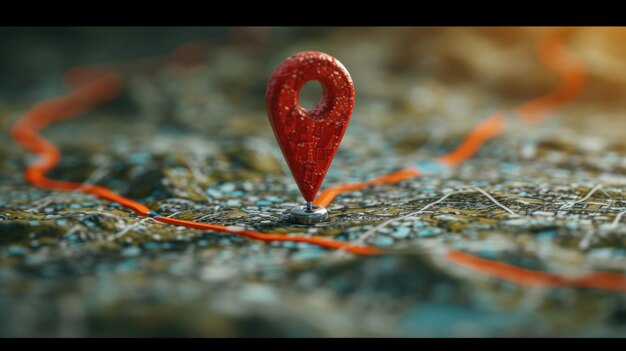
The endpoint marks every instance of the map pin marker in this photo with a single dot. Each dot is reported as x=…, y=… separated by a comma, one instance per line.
x=309, y=138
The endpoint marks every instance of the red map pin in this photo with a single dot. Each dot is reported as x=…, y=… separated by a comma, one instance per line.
x=309, y=138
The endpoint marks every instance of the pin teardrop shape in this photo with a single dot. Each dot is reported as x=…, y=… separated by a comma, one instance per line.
x=309, y=138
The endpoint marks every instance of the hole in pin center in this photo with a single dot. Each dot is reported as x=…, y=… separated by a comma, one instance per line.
x=310, y=94
x=306, y=94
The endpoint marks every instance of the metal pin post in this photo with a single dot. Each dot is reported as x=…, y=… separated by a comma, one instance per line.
x=308, y=214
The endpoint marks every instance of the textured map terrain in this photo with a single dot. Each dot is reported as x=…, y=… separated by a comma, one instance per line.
x=195, y=143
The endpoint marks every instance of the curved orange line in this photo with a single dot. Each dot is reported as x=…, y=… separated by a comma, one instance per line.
x=328, y=195
x=484, y=131
x=528, y=277
x=573, y=75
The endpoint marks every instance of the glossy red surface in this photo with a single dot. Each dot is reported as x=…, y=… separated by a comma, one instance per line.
x=309, y=138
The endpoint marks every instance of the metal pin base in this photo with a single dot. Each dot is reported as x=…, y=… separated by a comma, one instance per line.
x=308, y=214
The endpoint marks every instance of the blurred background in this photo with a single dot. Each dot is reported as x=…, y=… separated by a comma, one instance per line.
x=442, y=52
x=405, y=69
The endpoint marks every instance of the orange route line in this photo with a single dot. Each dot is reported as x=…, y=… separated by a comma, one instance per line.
x=484, y=131
x=328, y=195
x=573, y=74
x=90, y=88
x=533, y=278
